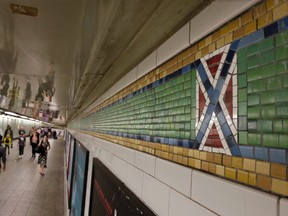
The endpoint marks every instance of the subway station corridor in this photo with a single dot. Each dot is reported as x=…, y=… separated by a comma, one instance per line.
x=23, y=191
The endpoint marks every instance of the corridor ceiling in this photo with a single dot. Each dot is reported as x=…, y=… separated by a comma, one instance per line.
x=58, y=56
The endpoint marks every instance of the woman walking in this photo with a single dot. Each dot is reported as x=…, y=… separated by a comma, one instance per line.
x=34, y=140
x=44, y=145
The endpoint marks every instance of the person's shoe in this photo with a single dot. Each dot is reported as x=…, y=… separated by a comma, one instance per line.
x=19, y=156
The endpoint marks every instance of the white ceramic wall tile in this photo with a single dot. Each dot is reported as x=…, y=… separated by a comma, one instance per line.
x=156, y=195
x=283, y=207
x=145, y=162
x=207, y=20
x=260, y=203
x=148, y=64
x=175, y=44
x=218, y=195
x=119, y=168
x=129, y=78
x=180, y=205
x=174, y=175
x=124, y=153
x=134, y=180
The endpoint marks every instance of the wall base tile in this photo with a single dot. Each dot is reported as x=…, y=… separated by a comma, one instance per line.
x=283, y=207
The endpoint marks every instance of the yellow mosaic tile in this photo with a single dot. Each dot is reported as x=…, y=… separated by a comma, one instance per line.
x=227, y=160
x=263, y=167
x=197, y=154
x=215, y=35
x=230, y=173
x=191, y=152
x=189, y=60
x=205, y=166
x=208, y=40
x=212, y=168
x=224, y=30
x=247, y=17
x=259, y=10
x=194, y=163
x=198, y=55
x=237, y=162
x=250, y=27
x=249, y=164
x=243, y=176
x=212, y=47
x=205, y=51
x=203, y=155
x=218, y=158
x=280, y=11
x=185, y=161
x=210, y=157
x=279, y=171
x=201, y=44
x=270, y=4
x=265, y=20
x=264, y=182
x=238, y=33
x=220, y=170
x=220, y=42
x=280, y=187
x=252, y=179
x=228, y=38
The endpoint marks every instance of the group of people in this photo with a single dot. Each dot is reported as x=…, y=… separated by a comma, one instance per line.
x=38, y=145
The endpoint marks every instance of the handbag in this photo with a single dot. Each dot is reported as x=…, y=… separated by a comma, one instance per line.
x=39, y=149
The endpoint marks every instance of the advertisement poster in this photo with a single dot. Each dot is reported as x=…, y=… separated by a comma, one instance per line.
x=79, y=180
x=110, y=197
x=70, y=167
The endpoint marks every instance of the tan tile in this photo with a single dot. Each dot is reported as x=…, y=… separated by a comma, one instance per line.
x=279, y=171
x=239, y=33
x=228, y=38
x=243, y=176
x=205, y=51
x=230, y=173
x=280, y=186
x=210, y=156
x=212, y=168
x=249, y=164
x=265, y=20
x=217, y=158
x=220, y=170
x=197, y=164
x=234, y=24
x=270, y=4
x=201, y=44
x=191, y=152
x=237, y=162
x=264, y=182
x=224, y=30
x=185, y=161
x=220, y=42
x=259, y=10
x=194, y=163
x=215, y=35
x=208, y=40
x=212, y=47
x=227, y=160
x=247, y=17
x=280, y=11
x=263, y=167
x=250, y=27
x=205, y=166
x=198, y=55
x=252, y=179
x=203, y=155
x=197, y=154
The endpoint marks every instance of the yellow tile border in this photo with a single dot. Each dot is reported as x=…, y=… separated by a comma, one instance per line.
x=250, y=172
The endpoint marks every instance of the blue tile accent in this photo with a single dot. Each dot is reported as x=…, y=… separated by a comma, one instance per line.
x=257, y=36
x=271, y=29
x=247, y=151
x=217, y=108
x=186, y=143
x=186, y=69
x=278, y=155
x=221, y=118
x=230, y=56
x=283, y=24
x=245, y=41
x=226, y=129
x=235, y=151
x=225, y=70
x=234, y=45
x=261, y=153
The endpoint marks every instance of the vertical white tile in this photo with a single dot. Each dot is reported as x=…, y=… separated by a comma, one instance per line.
x=181, y=205
x=283, y=207
x=148, y=64
x=260, y=203
x=174, y=175
x=156, y=195
x=218, y=195
x=134, y=180
x=145, y=162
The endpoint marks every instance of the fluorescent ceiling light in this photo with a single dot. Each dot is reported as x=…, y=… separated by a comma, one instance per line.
x=11, y=113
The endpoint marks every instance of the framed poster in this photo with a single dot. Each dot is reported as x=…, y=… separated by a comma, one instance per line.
x=110, y=197
x=79, y=180
x=70, y=168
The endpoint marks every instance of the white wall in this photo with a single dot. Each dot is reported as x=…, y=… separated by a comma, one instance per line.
x=170, y=189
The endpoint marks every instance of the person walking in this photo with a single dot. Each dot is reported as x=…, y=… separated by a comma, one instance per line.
x=10, y=132
x=21, y=144
x=7, y=143
x=42, y=159
x=34, y=140
x=2, y=156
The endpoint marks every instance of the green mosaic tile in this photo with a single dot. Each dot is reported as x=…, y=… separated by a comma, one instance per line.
x=285, y=125
x=250, y=87
x=253, y=49
x=277, y=126
x=254, y=139
x=241, y=67
x=253, y=61
x=268, y=112
x=268, y=97
x=253, y=112
x=267, y=57
x=274, y=83
x=268, y=70
x=253, y=99
x=242, y=107
x=254, y=74
x=283, y=141
x=243, y=137
x=242, y=55
x=281, y=96
x=282, y=38
x=242, y=95
x=242, y=123
x=270, y=140
x=282, y=110
x=281, y=53
x=259, y=85
x=282, y=67
x=252, y=125
x=265, y=126
x=242, y=81
x=285, y=80
x=266, y=44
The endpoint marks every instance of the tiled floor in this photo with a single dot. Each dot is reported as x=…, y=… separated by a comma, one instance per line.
x=23, y=191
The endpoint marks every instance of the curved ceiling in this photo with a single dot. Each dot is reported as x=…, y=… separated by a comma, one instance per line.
x=62, y=55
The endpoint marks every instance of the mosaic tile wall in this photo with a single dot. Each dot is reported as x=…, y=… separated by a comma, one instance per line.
x=226, y=96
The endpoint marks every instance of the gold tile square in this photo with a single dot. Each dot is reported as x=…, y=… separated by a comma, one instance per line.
x=279, y=171
x=280, y=186
x=249, y=164
x=263, y=167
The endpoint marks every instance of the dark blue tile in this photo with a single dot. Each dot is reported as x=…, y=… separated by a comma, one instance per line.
x=234, y=45
x=202, y=73
x=278, y=156
x=226, y=130
x=231, y=141
x=221, y=118
x=247, y=151
x=230, y=56
x=173, y=141
x=186, y=143
x=186, y=69
x=217, y=108
x=225, y=70
x=261, y=153
x=155, y=84
x=166, y=140
x=271, y=29
x=283, y=24
x=235, y=151
x=194, y=144
x=203, y=127
x=207, y=84
x=220, y=84
x=162, y=140
x=257, y=36
x=180, y=142
x=199, y=137
x=245, y=41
